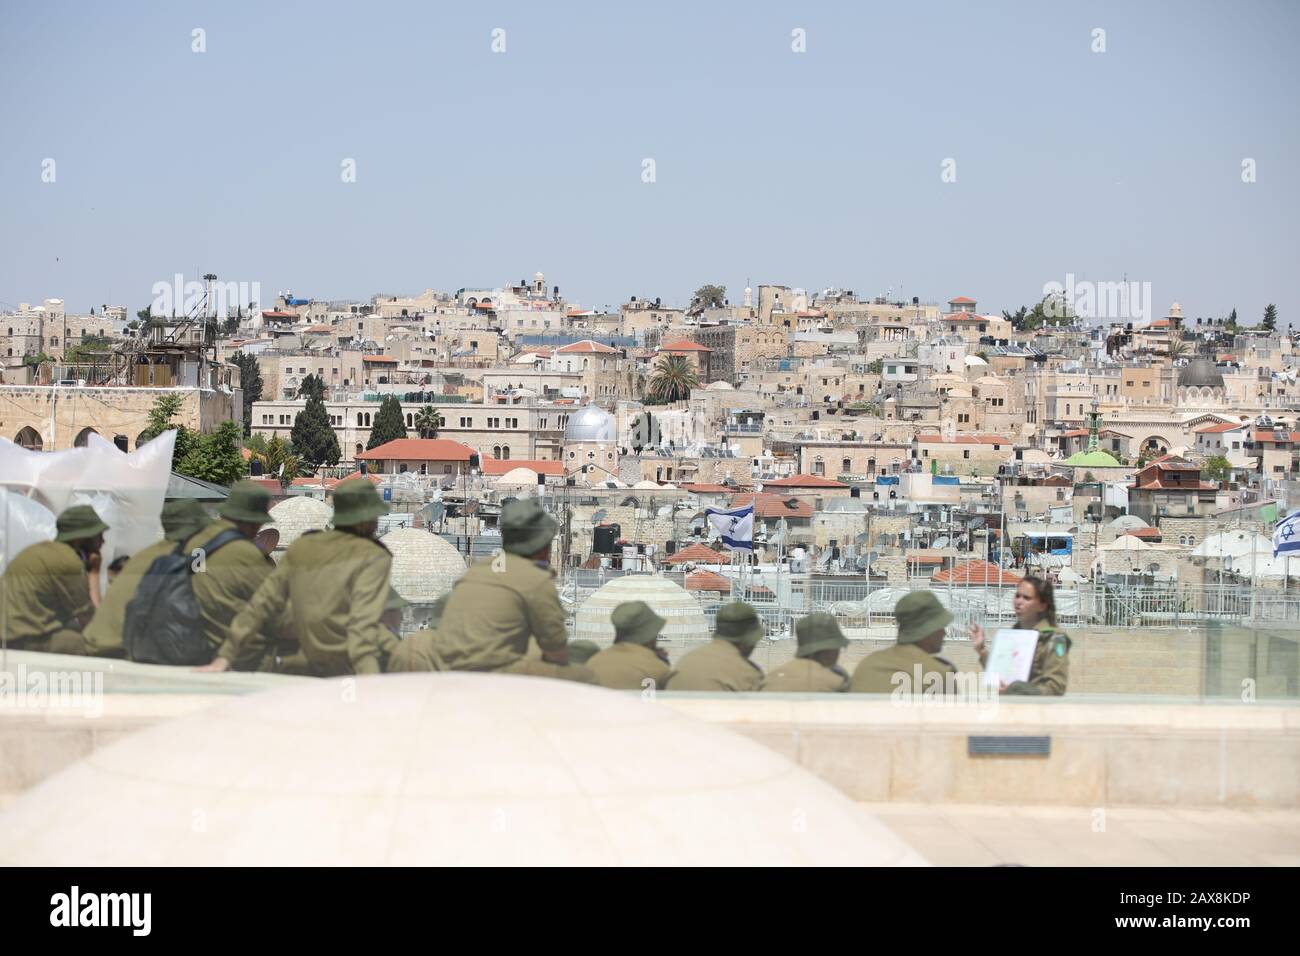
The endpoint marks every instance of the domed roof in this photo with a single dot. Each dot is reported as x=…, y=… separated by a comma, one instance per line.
x=517, y=478
x=1128, y=523
x=295, y=516
x=1200, y=372
x=719, y=386
x=686, y=621
x=973, y=360
x=1092, y=459
x=591, y=424
x=647, y=484
x=485, y=770
x=424, y=565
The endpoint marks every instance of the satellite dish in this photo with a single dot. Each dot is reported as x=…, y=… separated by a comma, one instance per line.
x=665, y=511
x=940, y=542
x=861, y=539
x=598, y=517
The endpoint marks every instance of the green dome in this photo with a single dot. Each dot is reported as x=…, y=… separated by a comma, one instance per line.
x=1092, y=459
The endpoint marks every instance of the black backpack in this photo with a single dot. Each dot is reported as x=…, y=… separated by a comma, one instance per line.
x=164, y=624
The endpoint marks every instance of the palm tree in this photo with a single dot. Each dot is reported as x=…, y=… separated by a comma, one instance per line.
x=1178, y=348
x=279, y=459
x=427, y=422
x=673, y=379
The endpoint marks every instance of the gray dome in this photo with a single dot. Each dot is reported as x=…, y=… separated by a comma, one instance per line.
x=1200, y=373
x=591, y=424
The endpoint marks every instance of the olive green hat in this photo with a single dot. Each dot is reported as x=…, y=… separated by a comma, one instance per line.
x=818, y=632
x=248, y=501
x=919, y=615
x=182, y=519
x=355, y=502
x=395, y=601
x=582, y=651
x=635, y=623
x=525, y=527
x=77, y=523
x=738, y=623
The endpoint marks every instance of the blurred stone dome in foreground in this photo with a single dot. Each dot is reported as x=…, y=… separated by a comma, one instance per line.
x=439, y=769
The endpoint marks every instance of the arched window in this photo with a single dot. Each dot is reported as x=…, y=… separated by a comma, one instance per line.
x=409, y=422
x=871, y=466
x=30, y=439
x=819, y=466
x=496, y=451
x=846, y=466
x=360, y=448
x=367, y=419
x=83, y=437
x=505, y=452
x=359, y=420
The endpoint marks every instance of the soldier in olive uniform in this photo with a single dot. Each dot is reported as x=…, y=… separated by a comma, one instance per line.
x=815, y=665
x=912, y=666
x=723, y=664
x=227, y=579
x=50, y=590
x=581, y=652
x=334, y=585
x=1035, y=609
x=502, y=601
x=635, y=656
x=180, y=520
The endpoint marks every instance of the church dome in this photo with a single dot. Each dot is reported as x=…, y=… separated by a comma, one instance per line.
x=295, y=516
x=424, y=565
x=591, y=424
x=1200, y=373
x=452, y=769
x=686, y=621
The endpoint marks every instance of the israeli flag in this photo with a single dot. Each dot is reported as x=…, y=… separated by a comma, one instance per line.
x=735, y=526
x=1286, y=536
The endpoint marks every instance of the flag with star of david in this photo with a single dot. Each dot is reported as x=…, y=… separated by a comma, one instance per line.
x=1286, y=536
x=736, y=526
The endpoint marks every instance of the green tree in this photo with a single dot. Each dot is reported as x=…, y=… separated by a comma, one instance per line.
x=1231, y=324
x=709, y=296
x=876, y=367
x=1178, y=348
x=1270, y=317
x=427, y=422
x=38, y=359
x=389, y=424
x=1017, y=319
x=278, y=458
x=86, y=349
x=215, y=457
x=313, y=437
x=1217, y=468
x=250, y=380
x=312, y=387
x=165, y=408
x=673, y=379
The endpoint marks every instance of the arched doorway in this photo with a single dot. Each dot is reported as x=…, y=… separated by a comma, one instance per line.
x=83, y=437
x=140, y=439
x=30, y=439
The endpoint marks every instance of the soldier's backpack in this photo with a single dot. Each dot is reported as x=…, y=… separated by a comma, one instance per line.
x=164, y=624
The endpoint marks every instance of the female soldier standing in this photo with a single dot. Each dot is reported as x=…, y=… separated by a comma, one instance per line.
x=1035, y=609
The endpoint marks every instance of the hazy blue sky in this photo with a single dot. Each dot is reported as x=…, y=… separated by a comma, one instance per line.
x=813, y=169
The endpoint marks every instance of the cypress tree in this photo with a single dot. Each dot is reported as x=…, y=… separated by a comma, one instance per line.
x=313, y=437
x=389, y=423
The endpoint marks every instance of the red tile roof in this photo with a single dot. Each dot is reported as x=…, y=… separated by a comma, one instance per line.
x=962, y=299
x=684, y=345
x=703, y=487
x=976, y=572
x=707, y=581
x=1221, y=427
x=913, y=558
x=804, y=481
x=1270, y=437
x=698, y=554
x=774, y=506
x=1146, y=533
x=500, y=466
x=419, y=449
x=379, y=358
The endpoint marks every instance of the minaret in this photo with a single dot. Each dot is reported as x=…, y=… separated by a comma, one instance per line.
x=1094, y=428
x=749, y=297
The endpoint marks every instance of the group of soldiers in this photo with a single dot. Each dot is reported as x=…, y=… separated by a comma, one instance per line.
x=327, y=609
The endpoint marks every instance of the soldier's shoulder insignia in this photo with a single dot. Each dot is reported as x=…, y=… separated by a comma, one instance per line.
x=1061, y=646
